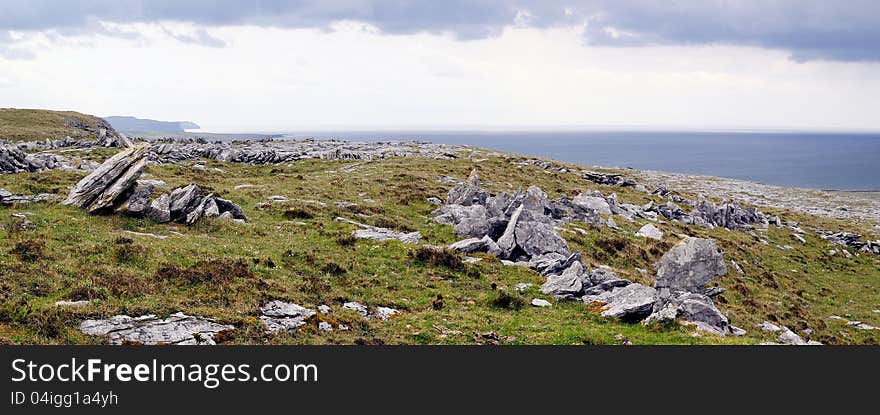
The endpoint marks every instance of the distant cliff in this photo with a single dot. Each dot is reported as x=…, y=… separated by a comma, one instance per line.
x=140, y=124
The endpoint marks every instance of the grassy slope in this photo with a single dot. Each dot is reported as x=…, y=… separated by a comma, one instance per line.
x=313, y=264
x=32, y=125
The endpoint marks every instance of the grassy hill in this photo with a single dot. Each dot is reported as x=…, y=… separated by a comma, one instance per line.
x=31, y=125
x=295, y=251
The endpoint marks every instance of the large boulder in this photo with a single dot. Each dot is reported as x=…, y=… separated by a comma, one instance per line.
x=468, y=221
x=103, y=188
x=185, y=200
x=484, y=244
x=468, y=192
x=692, y=308
x=689, y=265
x=539, y=237
x=567, y=210
x=160, y=209
x=138, y=202
x=567, y=285
x=633, y=302
x=594, y=203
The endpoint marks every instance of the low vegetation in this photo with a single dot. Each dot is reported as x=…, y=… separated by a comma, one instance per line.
x=32, y=125
x=295, y=251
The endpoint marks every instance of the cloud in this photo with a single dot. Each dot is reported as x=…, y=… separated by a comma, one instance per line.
x=199, y=36
x=808, y=29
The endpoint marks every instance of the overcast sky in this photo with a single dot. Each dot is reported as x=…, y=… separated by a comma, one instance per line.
x=237, y=65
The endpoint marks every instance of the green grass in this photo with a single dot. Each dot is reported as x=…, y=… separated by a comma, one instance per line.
x=296, y=252
x=33, y=125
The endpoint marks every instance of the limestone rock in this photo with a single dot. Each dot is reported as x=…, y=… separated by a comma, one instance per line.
x=689, y=265
x=538, y=302
x=160, y=209
x=178, y=328
x=594, y=203
x=567, y=285
x=138, y=203
x=280, y=316
x=467, y=193
x=101, y=189
x=650, y=231
x=633, y=302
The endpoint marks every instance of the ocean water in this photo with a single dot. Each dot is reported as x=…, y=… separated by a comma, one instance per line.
x=810, y=160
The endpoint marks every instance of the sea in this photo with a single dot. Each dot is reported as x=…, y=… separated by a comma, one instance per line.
x=832, y=161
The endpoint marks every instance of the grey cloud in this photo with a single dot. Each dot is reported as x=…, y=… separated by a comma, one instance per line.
x=809, y=29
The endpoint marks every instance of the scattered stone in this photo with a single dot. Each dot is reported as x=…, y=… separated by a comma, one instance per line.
x=280, y=316
x=65, y=303
x=790, y=338
x=356, y=306
x=435, y=201
x=650, y=231
x=325, y=326
x=178, y=328
x=523, y=286
x=324, y=309
x=384, y=313
x=768, y=326
x=381, y=313
x=737, y=267
x=381, y=234
x=736, y=331
x=277, y=198
x=537, y=302
x=9, y=199
x=149, y=235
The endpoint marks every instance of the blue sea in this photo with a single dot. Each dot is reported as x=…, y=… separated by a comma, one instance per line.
x=810, y=160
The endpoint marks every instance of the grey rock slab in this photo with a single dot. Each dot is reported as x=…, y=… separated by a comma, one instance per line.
x=138, y=202
x=566, y=285
x=178, y=328
x=538, y=302
x=381, y=234
x=160, y=209
x=280, y=316
x=689, y=265
x=633, y=302
x=768, y=326
x=595, y=203
x=100, y=189
x=650, y=231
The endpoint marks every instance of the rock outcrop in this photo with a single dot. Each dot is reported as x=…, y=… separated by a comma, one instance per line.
x=682, y=274
x=104, y=187
x=8, y=198
x=178, y=328
x=530, y=238
x=114, y=187
x=689, y=265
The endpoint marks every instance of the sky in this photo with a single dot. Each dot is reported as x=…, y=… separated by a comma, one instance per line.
x=270, y=66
